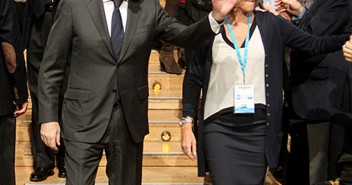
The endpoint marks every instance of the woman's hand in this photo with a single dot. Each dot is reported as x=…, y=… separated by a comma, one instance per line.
x=188, y=141
x=221, y=8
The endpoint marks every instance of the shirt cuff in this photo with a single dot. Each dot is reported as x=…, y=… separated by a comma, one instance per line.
x=215, y=26
x=300, y=16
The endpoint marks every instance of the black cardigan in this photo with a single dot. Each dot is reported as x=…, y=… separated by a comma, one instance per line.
x=276, y=34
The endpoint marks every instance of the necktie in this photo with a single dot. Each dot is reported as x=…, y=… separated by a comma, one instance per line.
x=117, y=35
x=117, y=32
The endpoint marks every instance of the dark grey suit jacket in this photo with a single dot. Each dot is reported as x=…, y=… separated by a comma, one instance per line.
x=80, y=31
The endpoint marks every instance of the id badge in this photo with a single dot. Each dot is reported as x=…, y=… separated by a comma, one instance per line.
x=243, y=99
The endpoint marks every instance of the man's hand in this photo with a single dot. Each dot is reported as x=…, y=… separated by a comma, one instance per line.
x=294, y=7
x=267, y=8
x=50, y=134
x=21, y=110
x=221, y=8
x=347, y=50
x=188, y=141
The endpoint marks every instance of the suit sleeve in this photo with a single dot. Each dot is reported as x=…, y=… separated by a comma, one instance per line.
x=296, y=38
x=328, y=19
x=176, y=33
x=53, y=65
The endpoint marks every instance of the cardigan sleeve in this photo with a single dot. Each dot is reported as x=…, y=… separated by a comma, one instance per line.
x=193, y=82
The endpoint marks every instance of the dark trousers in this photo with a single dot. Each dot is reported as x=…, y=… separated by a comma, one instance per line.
x=235, y=155
x=43, y=156
x=7, y=149
x=124, y=156
x=340, y=151
x=308, y=160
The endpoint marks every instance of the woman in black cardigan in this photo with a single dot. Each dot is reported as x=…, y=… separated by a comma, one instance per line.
x=239, y=139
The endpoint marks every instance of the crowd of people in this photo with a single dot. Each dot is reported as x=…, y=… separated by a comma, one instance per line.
x=274, y=85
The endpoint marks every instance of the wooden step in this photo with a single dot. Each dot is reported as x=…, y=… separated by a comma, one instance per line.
x=155, y=113
x=155, y=68
x=155, y=154
x=156, y=129
x=170, y=96
x=181, y=175
x=154, y=56
x=150, y=175
x=157, y=132
x=150, y=148
x=164, y=109
x=164, y=115
x=154, y=62
x=167, y=81
x=167, y=95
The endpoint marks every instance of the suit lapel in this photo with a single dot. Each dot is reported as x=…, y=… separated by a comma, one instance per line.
x=96, y=11
x=133, y=15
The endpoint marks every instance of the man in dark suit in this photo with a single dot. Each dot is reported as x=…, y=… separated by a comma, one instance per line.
x=319, y=88
x=106, y=101
x=38, y=21
x=13, y=89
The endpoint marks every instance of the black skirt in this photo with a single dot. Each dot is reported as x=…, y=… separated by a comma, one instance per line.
x=234, y=148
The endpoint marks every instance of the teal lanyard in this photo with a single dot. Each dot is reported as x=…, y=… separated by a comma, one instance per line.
x=243, y=62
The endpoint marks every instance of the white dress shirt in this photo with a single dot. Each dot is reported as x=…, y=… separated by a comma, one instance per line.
x=109, y=9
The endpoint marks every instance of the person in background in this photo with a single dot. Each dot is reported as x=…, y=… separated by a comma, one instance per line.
x=13, y=88
x=329, y=74
x=166, y=58
x=38, y=21
x=191, y=11
x=187, y=12
x=240, y=76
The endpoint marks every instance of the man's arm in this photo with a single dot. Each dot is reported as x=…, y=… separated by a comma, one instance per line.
x=292, y=7
x=194, y=35
x=52, y=73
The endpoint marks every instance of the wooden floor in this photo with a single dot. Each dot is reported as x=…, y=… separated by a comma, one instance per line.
x=167, y=175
